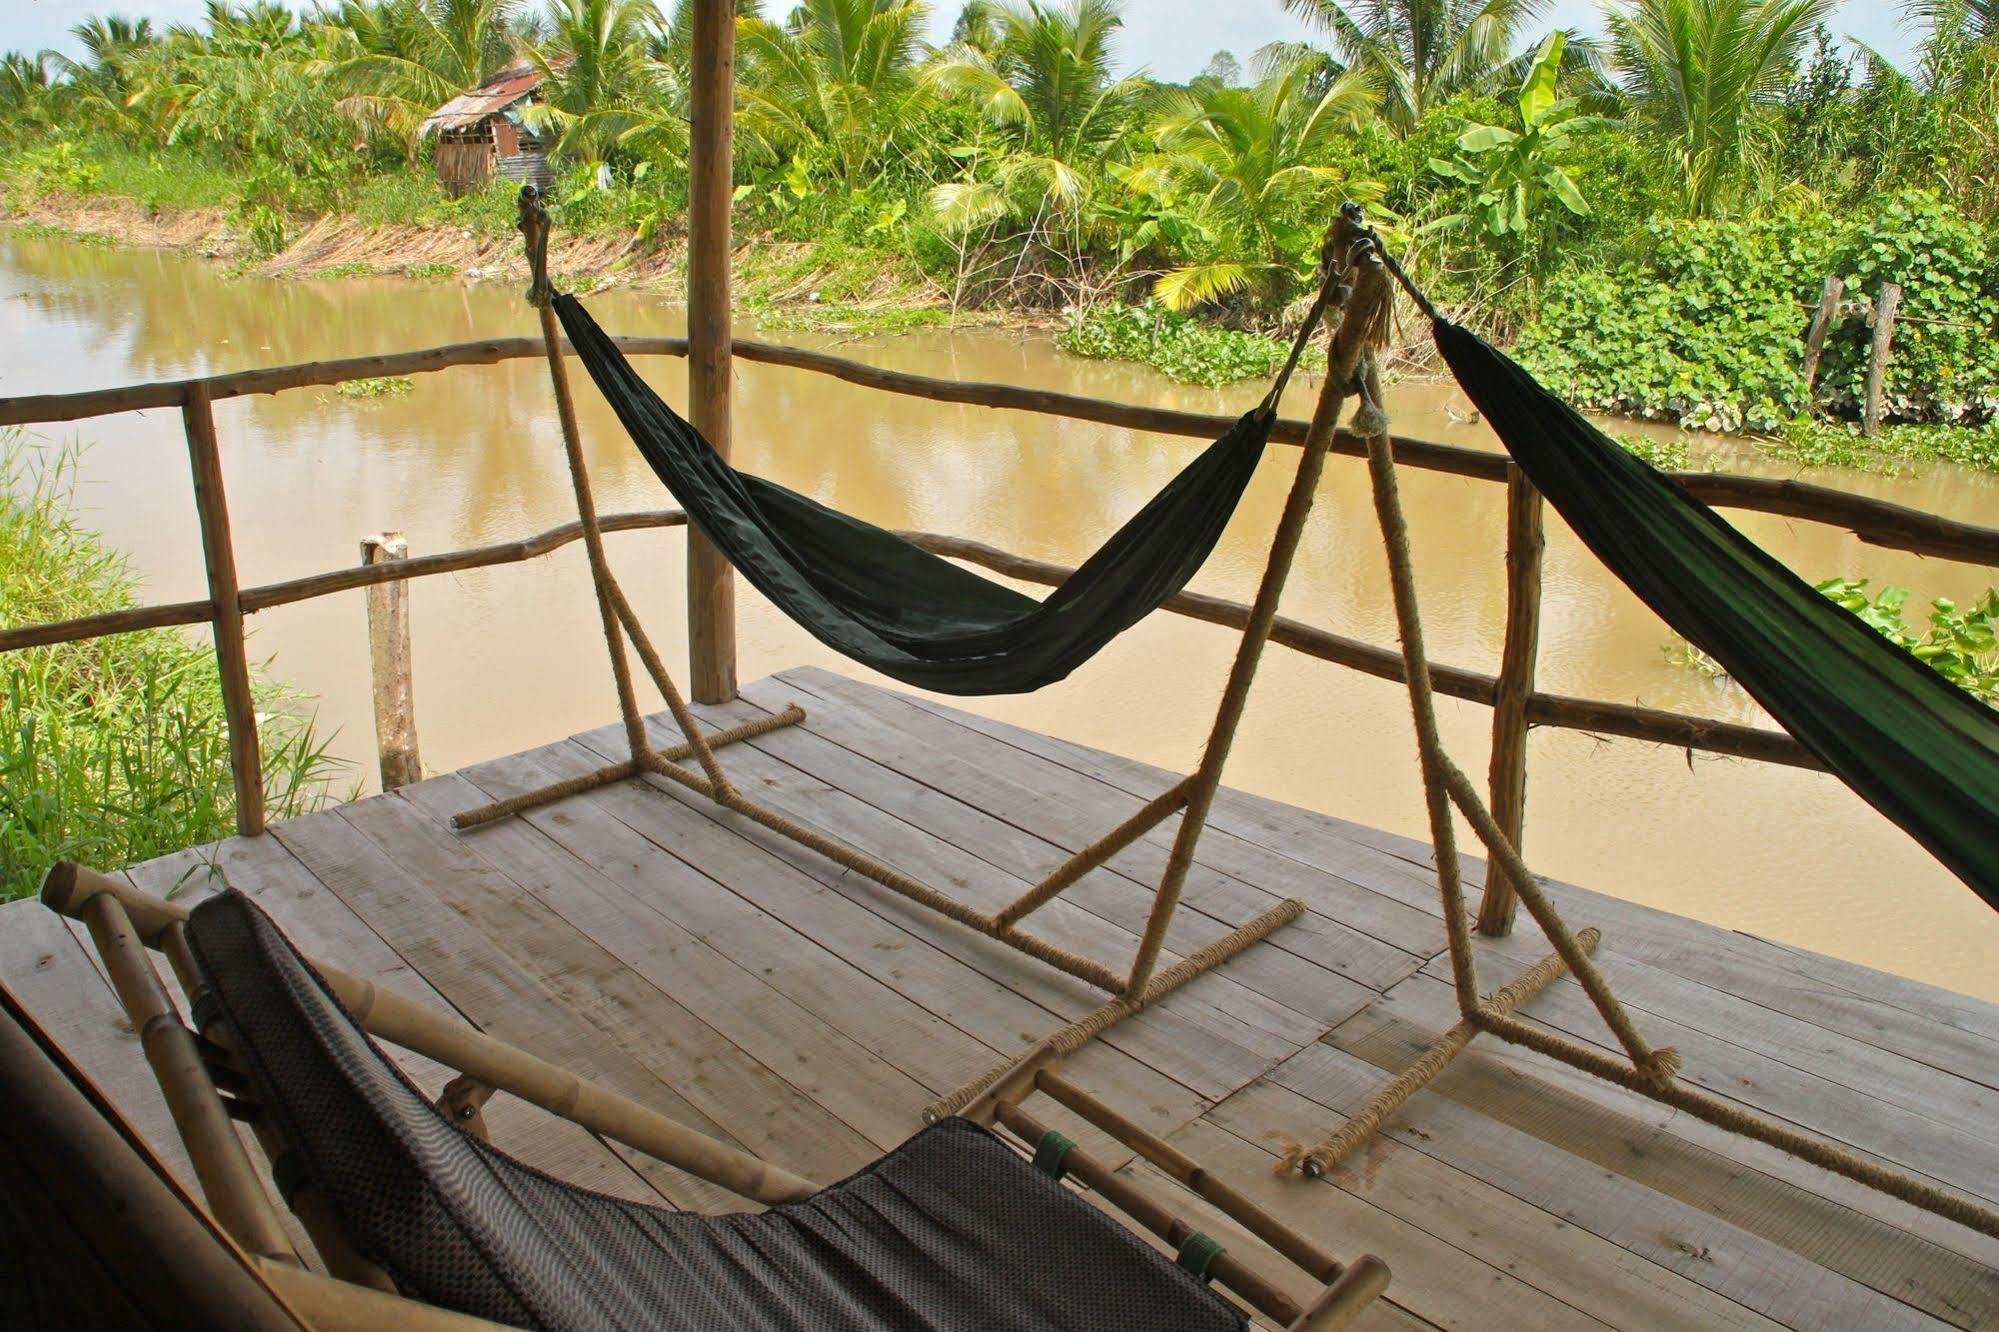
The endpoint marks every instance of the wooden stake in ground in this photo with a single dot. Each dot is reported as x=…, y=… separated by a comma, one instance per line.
x=1885, y=307
x=1822, y=319
x=389, y=663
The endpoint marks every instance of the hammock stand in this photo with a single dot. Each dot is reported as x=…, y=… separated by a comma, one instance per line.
x=1362, y=295
x=1649, y=1070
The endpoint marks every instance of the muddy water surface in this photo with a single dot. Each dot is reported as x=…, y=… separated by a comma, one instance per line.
x=510, y=658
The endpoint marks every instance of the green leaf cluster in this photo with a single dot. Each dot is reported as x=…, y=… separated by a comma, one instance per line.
x=1706, y=329
x=1178, y=347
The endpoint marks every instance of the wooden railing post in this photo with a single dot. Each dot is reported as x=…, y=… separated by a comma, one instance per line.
x=246, y=763
x=1508, y=774
x=389, y=663
x=711, y=589
x=1885, y=307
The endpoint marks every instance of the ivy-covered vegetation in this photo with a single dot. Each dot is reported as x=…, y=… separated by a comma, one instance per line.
x=115, y=749
x=1649, y=216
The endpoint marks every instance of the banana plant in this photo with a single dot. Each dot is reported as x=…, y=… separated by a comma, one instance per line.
x=1515, y=174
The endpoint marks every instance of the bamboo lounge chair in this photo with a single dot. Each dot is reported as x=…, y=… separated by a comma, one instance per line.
x=423, y=1223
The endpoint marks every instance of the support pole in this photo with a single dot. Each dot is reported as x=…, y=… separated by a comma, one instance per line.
x=1366, y=309
x=711, y=591
x=232, y=661
x=1507, y=777
x=1885, y=307
x=389, y=663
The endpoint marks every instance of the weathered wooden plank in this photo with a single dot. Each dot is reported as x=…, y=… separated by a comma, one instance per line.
x=986, y=989
x=597, y=875
x=1366, y=891
x=489, y=985
x=323, y=926
x=1879, y=1241
x=1640, y=931
x=631, y=1013
x=1067, y=811
x=1002, y=858
x=1631, y=1218
x=1934, y=1093
x=1184, y=1040
x=52, y=976
x=1434, y=1279
x=1886, y=1129
x=1556, y=1250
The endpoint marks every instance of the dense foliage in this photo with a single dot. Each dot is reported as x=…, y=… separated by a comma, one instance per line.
x=1652, y=215
x=1707, y=328
x=115, y=749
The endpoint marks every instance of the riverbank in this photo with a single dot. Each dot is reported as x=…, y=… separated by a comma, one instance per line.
x=791, y=285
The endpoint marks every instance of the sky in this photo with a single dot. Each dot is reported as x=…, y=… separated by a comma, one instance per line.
x=1172, y=39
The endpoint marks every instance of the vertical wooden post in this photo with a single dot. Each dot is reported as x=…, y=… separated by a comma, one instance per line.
x=1885, y=306
x=711, y=591
x=246, y=763
x=1829, y=299
x=1508, y=773
x=389, y=663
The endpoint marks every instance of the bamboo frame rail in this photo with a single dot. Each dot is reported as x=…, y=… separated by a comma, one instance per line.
x=1876, y=522
x=1348, y=1288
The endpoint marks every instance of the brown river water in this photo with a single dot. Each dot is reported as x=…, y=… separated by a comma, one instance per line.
x=509, y=658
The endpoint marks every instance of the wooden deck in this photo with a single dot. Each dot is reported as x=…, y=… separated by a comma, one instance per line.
x=752, y=989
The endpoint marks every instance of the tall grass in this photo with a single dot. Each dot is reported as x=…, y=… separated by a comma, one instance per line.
x=114, y=750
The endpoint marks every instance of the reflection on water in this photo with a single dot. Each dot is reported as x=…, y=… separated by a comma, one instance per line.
x=511, y=657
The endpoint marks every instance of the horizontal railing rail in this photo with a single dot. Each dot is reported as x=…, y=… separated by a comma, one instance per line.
x=1877, y=522
x=1517, y=703
x=1681, y=730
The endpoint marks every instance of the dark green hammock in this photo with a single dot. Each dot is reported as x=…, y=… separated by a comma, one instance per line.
x=1913, y=745
x=871, y=595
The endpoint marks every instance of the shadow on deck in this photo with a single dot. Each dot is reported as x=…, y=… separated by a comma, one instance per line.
x=747, y=987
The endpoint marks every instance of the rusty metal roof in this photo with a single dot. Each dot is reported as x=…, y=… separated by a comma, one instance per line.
x=505, y=89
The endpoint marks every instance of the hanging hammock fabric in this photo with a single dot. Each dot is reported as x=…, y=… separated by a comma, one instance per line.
x=893, y=606
x=1916, y=747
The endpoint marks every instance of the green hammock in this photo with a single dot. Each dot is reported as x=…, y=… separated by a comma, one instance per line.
x=871, y=595
x=1913, y=745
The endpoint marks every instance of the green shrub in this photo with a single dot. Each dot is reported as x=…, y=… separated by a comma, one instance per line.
x=1177, y=346
x=1707, y=328
x=115, y=749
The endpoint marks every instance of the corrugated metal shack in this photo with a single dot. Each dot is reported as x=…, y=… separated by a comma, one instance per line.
x=480, y=134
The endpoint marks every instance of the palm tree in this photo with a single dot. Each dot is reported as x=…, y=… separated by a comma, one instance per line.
x=599, y=83
x=1707, y=77
x=832, y=81
x=408, y=57
x=1248, y=158
x=102, y=83
x=28, y=86
x=1044, y=77
x=1424, y=52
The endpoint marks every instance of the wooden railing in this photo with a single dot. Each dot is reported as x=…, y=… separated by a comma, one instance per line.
x=1517, y=704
